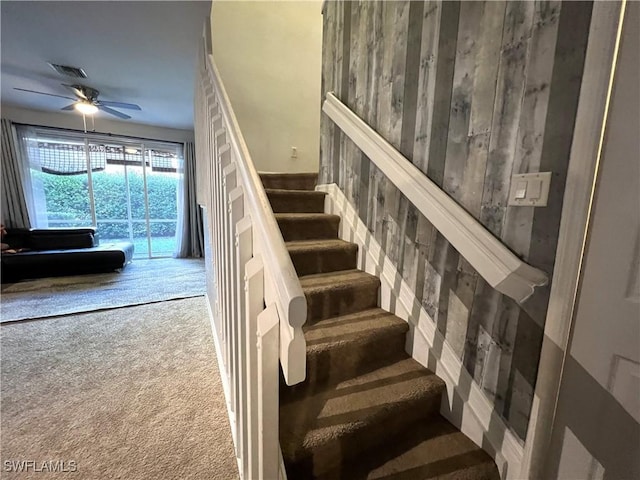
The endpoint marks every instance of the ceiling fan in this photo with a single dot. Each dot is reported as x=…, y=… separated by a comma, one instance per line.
x=87, y=102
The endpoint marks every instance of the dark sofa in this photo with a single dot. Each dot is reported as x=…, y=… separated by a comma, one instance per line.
x=62, y=251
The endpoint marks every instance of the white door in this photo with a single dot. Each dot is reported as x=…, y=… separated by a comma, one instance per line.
x=596, y=432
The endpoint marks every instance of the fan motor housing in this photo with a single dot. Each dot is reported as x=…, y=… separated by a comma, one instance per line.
x=83, y=91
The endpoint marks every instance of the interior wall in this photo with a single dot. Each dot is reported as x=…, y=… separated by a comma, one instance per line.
x=73, y=121
x=269, y=56
x=471, y=93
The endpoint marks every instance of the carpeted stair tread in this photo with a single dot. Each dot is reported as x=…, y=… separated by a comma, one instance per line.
x=339, y=293
x=432, y=449
x=322, y=431
x=333, y=331
x=307, y=226
x=289, y=181
x=343, y=347
x=320, y=256
x=296, y=201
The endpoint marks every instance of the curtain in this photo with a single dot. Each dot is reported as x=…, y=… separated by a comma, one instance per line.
x=190, y=233
x=33, y=188
x=14, y=202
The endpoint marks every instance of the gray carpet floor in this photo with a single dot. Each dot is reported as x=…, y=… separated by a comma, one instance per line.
x=142, y=281
x=128, y=393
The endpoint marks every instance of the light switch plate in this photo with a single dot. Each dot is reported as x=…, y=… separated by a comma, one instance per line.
x=535, y=187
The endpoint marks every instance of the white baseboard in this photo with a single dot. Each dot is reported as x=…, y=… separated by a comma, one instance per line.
x=477, y=418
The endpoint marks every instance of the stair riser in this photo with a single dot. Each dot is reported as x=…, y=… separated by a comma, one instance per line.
x=346, y=300
x=308, y=263
x=345, y=361
x=332, y=454
x=290, y=181
x=302, y=229
x=292, y=203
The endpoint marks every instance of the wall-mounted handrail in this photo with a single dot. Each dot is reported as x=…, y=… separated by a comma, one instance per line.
x=500, y=267
x=289, y=297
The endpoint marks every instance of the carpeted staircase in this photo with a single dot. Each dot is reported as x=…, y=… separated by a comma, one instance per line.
x=366, y=410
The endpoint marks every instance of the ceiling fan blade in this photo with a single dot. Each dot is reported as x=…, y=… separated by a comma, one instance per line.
x=69, y=107
x=113, y=112
x=130, y=106
x=43, y=93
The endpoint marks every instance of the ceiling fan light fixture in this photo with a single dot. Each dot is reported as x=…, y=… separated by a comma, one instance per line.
x=86, y=108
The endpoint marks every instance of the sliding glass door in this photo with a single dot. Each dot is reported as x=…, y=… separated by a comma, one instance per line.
x=118, y=191
x=126, y=189
x=162, y=197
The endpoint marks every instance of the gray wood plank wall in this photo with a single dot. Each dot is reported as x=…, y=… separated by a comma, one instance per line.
x=471, y=93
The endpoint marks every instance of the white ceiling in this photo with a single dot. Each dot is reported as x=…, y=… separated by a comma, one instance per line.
x=134, y=52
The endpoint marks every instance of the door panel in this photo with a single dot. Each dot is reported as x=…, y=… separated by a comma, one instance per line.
x=596, y=431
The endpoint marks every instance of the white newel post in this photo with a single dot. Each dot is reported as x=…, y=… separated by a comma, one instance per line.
x=268, y=384
x=254, y=298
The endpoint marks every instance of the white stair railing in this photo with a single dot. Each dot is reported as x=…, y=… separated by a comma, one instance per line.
x=256, y=301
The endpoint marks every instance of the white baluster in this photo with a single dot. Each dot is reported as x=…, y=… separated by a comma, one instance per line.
x=229, y=184
x=215, y=228
x=244, y=252
x=254, y=298
x=268, y=384
x=224, y=159
x=214, y=188
x=236, y=212
x=217, y=121
x=219, y=148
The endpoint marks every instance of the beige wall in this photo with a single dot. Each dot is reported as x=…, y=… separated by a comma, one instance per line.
x=269, y=56
x=73, y=121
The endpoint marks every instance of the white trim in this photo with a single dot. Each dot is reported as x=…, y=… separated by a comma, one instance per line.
x=479, y=421
x=597, y=81
x=503, y=270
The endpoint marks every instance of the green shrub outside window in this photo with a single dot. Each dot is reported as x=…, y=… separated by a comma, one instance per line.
x=67, y=198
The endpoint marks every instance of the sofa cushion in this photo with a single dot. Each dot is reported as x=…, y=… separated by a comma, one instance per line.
x=59, y=242
x=45, y=263
x=61, y=230
x=51, y=238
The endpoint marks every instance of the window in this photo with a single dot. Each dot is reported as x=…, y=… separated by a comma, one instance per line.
x=124, y=187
